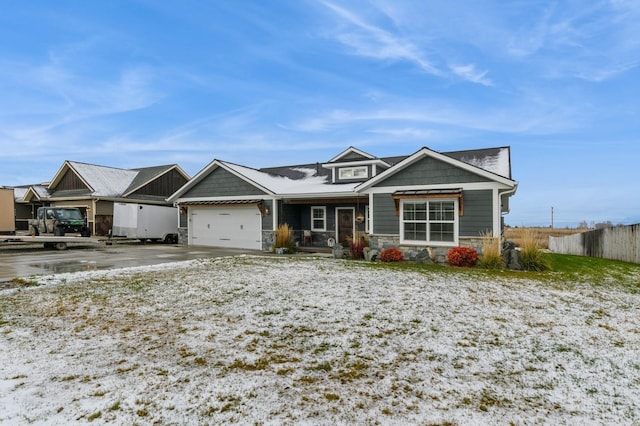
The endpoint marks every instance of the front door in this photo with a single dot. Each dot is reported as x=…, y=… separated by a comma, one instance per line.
x=345, y=225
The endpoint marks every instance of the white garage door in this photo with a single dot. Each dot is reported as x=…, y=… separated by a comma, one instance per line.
x=226, y=226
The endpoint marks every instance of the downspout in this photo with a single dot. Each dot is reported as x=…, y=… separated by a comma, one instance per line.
x=502, y=194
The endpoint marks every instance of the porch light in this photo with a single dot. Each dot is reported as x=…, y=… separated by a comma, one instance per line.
x=360, y=217
x=267, y=211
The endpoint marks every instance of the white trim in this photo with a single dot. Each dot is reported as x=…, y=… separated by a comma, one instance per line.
x=275, y=213
x=371, y=218
x=324, y=210
x=456, y=223
x=353, y=170
x=367, y=215
x=225, y=198
x=354, y=163
x=497, y=214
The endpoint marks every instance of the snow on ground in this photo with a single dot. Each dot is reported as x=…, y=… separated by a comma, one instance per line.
x=269, y=340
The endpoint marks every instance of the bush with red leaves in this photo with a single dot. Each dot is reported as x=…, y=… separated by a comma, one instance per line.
x=462, y=256
x=391, y=255
x=356, y=249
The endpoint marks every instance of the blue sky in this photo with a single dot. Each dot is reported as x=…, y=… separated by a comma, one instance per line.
x=268, y=83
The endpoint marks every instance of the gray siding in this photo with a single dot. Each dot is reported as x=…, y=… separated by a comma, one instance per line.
x=478, y=216
x=267, y=219
x=429, y=171
x=385, y=220
x=221, y=183
x=352, y=156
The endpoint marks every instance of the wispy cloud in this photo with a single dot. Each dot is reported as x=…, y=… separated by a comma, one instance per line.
x=372, y=41
x=469, y=73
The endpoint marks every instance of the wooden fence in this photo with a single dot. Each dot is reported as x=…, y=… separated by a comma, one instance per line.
x=617, y=243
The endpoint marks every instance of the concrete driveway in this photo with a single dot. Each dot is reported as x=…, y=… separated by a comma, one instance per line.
x=24, y=260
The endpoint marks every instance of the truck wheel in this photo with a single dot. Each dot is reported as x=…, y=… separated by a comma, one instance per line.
x=61, y=246
x=86, y=232
x=58, y=231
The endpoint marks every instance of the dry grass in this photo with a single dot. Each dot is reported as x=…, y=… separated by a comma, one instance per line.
x=519, y=236
x=490, y=258
x=284, y=236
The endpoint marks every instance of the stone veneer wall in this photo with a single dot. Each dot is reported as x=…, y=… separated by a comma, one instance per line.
x=183, y=235
x=268, y=238
x=412, y=252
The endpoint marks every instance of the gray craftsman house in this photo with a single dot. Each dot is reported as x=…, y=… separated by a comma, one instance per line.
x=424, y=200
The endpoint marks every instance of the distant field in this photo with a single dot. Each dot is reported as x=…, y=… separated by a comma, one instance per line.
x=541, y=235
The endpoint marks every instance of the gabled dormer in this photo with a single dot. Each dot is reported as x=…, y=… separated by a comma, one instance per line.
x=354, y=165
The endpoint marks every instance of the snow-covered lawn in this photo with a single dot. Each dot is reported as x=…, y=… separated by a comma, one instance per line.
x=280, y=340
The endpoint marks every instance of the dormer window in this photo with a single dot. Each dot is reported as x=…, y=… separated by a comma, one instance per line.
x=360, y=172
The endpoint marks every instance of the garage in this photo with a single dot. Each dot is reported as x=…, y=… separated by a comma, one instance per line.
x=231, y=226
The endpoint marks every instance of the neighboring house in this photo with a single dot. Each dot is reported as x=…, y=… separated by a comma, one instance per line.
x=427, y=199
x=94, y=189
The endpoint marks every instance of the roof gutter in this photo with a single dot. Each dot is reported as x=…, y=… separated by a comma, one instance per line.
x=509, y=193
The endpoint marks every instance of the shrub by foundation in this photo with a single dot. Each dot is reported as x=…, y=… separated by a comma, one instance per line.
x=391, y=255
x=462, y=256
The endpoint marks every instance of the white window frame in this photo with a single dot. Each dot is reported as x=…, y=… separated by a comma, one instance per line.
x=324, y=218
x=428, y=221
x=357, y=172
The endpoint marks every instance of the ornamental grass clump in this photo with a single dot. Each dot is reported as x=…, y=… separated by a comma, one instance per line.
x=462, y=256
x=533, y=259
x=284, y=237
x=490, y=258
x=391, y=255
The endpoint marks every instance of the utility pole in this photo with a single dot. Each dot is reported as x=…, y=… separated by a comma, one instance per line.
x=551, y=217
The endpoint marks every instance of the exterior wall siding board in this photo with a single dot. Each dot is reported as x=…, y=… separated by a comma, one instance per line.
x=221, y=183
x=352, y=156
x=267, y=221
x=165, y=185
x=477, y=217
x=70, y=181
x=429, y=171
x=384, y=213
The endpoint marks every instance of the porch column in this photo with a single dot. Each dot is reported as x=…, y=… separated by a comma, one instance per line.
x=274, y=214
x=371, y=213
x=497, y=216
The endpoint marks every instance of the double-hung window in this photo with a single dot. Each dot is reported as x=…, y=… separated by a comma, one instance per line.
x=429, y=221
x=318, y=218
